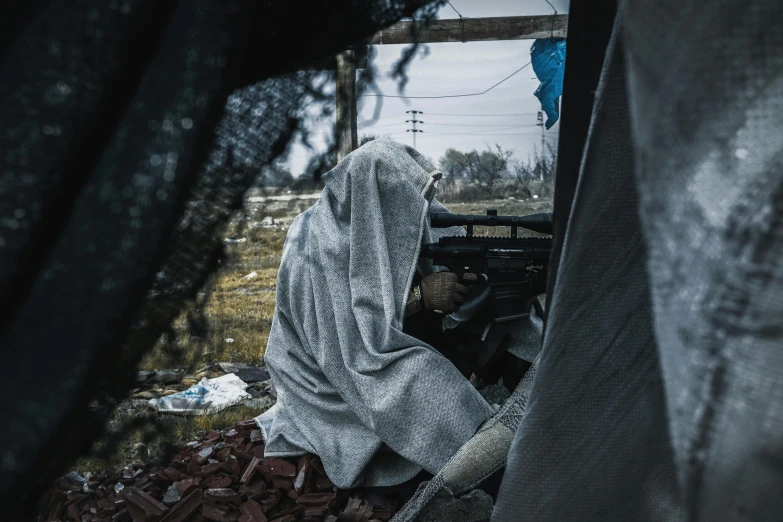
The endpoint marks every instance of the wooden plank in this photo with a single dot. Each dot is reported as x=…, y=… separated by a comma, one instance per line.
x=347, y=138
x=476, y=30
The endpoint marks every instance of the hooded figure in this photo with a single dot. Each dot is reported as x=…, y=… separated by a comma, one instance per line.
x=374, y=403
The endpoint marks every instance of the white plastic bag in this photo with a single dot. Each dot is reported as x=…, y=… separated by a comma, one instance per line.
x=208, y=396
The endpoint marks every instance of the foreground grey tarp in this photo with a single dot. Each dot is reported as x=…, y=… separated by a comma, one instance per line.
x=375, y=404
x=659, y=391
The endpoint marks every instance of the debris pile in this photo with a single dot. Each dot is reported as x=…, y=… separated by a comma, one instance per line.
x=222, y=478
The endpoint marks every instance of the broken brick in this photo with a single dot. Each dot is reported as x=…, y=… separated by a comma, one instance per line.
x=141, y=500
x=221, y=480
x=318, y=466
x=250, y=470
x=235, y=468
x=282, y=483
x=56, y=512
x=256, y=489
x=223, y=454
x=315, y=499
x=242, y=454
x=204, y=454
x=184, y=508
x=211, y=468
x=287, y=518
x=223, y=496
x=272, y=500
x=303, y=474
x=317, y=511
x=252, y=510
x=186, y=486
x=217, y=479
x=276, y=467
x=122, y=516
x=219, y=513
x=323, y=483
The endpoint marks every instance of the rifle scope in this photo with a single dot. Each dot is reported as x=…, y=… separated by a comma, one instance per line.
x=537, y=222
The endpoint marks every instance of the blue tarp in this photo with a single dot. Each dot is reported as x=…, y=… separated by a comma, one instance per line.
x=548, y=58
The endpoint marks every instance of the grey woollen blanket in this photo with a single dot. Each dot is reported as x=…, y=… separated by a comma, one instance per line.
x=375, y=404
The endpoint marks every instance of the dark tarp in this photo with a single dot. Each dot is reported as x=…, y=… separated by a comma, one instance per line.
x=659, y=392
x=122, y=158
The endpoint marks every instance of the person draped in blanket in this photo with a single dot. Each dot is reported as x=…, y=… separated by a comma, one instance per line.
x=357, y=382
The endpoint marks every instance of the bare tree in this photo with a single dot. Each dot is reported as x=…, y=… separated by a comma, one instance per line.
x=485, y=167
x=541, y=167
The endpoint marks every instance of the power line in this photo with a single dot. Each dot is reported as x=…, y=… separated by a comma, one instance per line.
x=449, y=95
x=491, y=125
x=478, y=135
x=482, y=115
x=479, y=124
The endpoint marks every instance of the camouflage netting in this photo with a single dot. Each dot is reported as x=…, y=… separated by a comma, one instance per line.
x=131, y=129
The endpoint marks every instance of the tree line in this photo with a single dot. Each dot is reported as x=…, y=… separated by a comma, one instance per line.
x=467, y=175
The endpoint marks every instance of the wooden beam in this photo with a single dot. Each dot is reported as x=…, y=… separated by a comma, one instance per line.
x=476, y=30
x=346, y=104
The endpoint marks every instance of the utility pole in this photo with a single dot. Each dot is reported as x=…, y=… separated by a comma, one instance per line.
x=346, y=104
x=414, y=130
x=540, y=123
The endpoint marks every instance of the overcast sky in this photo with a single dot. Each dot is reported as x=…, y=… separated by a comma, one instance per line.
x=506, y=115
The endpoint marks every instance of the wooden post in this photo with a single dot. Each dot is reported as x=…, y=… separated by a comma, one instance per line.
x=347, y=138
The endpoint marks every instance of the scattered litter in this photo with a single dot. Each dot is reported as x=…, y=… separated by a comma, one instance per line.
x=512, y=198
x=268, y=221
x=535, y=196
x=144, y=375
x=166, y=376
x=229, y=340
x=240, y=240
x=260, y=403
x=209, y=396
x=249, y=374
x=251, y=275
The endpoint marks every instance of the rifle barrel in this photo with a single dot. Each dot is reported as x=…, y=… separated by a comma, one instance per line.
x=537, y=222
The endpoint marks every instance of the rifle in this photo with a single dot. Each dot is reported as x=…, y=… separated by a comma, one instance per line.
x=514, y=268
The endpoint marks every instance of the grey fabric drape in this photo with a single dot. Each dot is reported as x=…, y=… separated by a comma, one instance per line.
x=351, y=384
x=659, y=392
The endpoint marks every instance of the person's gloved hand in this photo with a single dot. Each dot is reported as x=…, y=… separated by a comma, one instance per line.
x=441, y=291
